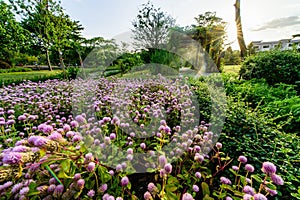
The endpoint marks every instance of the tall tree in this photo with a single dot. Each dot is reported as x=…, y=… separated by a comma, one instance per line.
x=151, y=27
x=13, y=36
x=240, y=35
x=210, y=31
x=46, y=21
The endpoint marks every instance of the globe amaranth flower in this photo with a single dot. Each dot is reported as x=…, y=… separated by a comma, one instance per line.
x=74, y=124
x=268, y=168
x=21, y=149
x=147, y=196
x=195, y=188
x=219, y=145
x=270, y=191
x=168, y=168
x=162, y=161
x=12, y=158
x=55, y=136
x=51, y=188
x=235, y=168
x=102, y=188
x=151, y=187
x=228, y=198
x=16, y=188
x=91, y=193
x=260, y=196
x=225, y=181
x=247, y=197
x=249, y=168
x=187, y=196
x=24, y=191
x=277, y=179
x=124, y=181
x=91, y=167
x=198, y=174
x=242, y=159
x=66, y=128
x=80, y=184
x=248, y=190
x=58, y=191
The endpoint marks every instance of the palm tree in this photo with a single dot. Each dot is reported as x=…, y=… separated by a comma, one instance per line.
x=240, y=35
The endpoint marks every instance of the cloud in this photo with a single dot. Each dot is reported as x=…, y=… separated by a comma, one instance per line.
x=279, y=23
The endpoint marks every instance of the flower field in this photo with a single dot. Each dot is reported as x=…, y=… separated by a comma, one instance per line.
x=117, y=139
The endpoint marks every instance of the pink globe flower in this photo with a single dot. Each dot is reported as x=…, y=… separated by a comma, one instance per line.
x=268, y=168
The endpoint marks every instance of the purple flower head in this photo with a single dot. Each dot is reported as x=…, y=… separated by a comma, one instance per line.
x=235, y=168
x=22, y=118
x=219, y=145
x=91, y=167
x=147, y=196
x=102, y=188
x=16, y=188
x=277, y=179
x=143, y=145
x=187, y=196
x=268, y=168
x=58, y=191
x=89, y=157
x=195, y=188
x=21, y=148
x=162, y=160
x=260, y=197
x=249, y=168
x=112, y=136
x=12, y=158
x=228, y=198
x=76, y=138
x=70, y=134
x=51, y=188
x=198, y=174
x=80, y=183
x=55, y=136
x=270, y=191
x=129, y=151
x=74, y=124
x=10, y=122
x=168, y=168
x=225, y=180
x=10, y=112
x=242, y=159
x=66, y=127
x=24, y=191
x=151, y=187
x=80, y=119
x=77, y=177
x=248, y=190
x=124, y=181
x=247, y=197
x=91, y=193
x=47, y=129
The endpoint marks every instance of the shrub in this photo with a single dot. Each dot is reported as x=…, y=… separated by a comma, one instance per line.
x=4, y=65
x=274, y=66
x=15, y=69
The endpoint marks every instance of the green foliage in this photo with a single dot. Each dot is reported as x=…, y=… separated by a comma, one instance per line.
x=4, y=65
x=15, y=69
x=274, y=66
x=151, y=27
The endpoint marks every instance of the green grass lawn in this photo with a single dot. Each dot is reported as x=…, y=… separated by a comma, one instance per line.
x=232, y=68
x=27, y=75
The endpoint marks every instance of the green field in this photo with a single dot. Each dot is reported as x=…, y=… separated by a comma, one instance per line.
x=27, y=75
x=232, y=68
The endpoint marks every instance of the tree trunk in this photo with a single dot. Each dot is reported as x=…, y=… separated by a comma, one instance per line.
x=62, y=64
x=80, y=59
x=240, y=35
x=48, y=59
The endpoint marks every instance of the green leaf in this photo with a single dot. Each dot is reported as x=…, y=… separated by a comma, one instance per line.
x=257, y=178
x=205, y=189
x=207, y=197
x=65, y=165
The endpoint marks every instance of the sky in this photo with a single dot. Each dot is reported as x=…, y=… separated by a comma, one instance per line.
x=265, y=20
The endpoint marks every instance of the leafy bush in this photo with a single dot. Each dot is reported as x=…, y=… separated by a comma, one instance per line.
x=4, y=65
x=274, y=66
x=15, y=69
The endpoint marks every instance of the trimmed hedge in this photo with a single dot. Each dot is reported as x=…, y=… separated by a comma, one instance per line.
x=274, y=66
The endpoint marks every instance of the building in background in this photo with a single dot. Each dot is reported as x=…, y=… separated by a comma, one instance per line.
x=284, y=44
